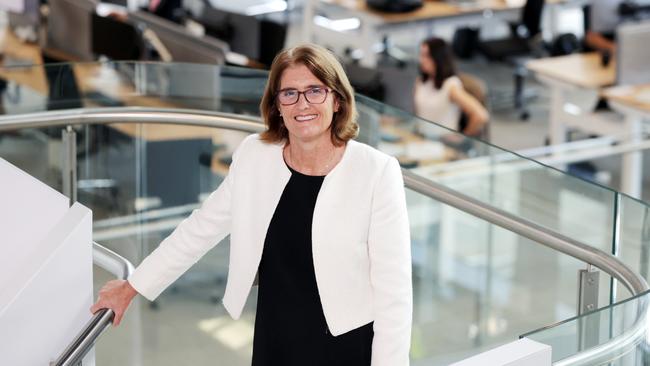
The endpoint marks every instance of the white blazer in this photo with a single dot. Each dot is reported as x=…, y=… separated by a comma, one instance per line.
x=360, y=241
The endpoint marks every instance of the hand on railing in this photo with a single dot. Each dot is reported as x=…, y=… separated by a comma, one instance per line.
x=115, y=295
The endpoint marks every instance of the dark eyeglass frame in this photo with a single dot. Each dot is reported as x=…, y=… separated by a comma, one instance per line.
x=304, y=94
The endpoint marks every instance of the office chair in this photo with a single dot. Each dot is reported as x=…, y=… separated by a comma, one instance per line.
x=479, y=90
x=525, y=41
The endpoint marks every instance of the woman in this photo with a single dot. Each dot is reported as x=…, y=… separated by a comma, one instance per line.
x=321, y=218
x=439, y=95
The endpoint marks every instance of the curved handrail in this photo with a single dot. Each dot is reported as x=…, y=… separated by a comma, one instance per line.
x=85, y=340
x=620, y=344
x=85, y=116
x=635, y=283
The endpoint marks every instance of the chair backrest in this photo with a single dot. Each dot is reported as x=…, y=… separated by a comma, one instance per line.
x=474, y=86
x=478, y=89
x=531, y=16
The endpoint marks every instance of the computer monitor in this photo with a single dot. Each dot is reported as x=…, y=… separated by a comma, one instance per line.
x=633, y=53
x=257, y=37
x=115, y=39
x=241, y=32
x=69, y=27
x=181, y=44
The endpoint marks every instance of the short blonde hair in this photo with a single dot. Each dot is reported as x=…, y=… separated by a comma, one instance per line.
x=326, y=68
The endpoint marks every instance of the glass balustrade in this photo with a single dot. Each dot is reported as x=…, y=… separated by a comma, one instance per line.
x=633, y=246
x=620, y=330
x=476, y=284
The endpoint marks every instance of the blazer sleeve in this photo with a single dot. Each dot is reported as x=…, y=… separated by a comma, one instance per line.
x=193, y=237
x=389, y=247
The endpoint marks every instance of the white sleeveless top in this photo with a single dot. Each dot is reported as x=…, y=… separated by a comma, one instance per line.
x=435, y=105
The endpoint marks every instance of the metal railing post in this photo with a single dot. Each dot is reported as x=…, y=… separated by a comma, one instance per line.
x=69, y=170
x=588, y=281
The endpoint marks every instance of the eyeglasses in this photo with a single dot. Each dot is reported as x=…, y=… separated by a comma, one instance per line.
x=314, y=95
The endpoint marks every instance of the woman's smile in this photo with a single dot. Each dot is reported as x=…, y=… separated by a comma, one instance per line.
x=305, y=117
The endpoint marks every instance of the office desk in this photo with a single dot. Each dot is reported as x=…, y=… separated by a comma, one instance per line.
x=414, y=150
x=14, y=52
x=375, y=24
x=93, y=77
x=565, y=75
x=583, y=73
x=630, y=99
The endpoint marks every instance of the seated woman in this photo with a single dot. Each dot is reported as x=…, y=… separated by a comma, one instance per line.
x=439, y=95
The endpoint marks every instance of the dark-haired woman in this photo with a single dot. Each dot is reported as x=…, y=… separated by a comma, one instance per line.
x=439, y=95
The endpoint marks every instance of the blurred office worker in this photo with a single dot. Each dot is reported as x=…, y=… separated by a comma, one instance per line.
x=439, y=95
x=602, y=18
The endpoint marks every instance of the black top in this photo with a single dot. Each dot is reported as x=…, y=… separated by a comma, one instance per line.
x=290, y=327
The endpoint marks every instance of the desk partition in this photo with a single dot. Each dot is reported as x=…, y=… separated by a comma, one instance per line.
x=633, y=53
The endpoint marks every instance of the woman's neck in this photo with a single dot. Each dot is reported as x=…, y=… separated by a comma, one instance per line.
x=313, y=158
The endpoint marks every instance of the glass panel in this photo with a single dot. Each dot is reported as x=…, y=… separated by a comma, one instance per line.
x=114, y=84
x=190, y=86
x=485, y=172
x=482, y=284
x=141, y=180
x=568, y=205
x=459, y=262
x=24, y=89
x=634, y=245
x=621, y=327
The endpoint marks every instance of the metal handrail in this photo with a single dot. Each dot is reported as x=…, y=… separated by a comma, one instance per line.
x=87, y=116
x=101, y=320
x=635, y=283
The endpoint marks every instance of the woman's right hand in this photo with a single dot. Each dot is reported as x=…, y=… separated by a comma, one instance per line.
x=115, y=295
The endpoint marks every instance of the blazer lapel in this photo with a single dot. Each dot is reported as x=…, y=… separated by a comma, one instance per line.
x=274, y=178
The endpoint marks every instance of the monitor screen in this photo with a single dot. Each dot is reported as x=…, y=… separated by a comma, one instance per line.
x=115, y=39
x=241, y=32
x=183, y=46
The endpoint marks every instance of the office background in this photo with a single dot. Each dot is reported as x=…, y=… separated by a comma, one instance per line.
x=186, y=325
